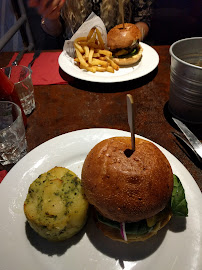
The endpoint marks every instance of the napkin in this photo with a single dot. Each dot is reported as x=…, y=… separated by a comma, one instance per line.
x=2, y=175
x=45, y=70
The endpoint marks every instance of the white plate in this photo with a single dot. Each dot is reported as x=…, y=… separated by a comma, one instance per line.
x=149, y=62
x=177, y=246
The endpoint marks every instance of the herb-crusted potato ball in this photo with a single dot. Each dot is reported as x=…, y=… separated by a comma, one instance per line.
x=56, y=207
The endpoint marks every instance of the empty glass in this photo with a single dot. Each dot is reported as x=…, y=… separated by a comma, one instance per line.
x=13, y=144
x=21, y=77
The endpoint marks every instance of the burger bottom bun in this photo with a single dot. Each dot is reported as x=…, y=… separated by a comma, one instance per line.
x=115, y=234
x=129, y=61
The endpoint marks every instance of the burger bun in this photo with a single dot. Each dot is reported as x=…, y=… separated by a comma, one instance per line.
x=119, y=37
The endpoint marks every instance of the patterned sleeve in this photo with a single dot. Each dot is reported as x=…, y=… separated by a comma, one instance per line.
x=142, y=11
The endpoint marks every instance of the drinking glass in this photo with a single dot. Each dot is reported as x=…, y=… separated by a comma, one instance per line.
x=13, y=144
x=21, y=77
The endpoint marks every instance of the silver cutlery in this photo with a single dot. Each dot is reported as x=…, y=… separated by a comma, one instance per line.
x=19, y=57
x=16, y=61
x=36, y=55
x=194, y=143
x=177, y=135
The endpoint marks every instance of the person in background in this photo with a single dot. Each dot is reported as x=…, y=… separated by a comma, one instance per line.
x=7, y=20
x=66, y=16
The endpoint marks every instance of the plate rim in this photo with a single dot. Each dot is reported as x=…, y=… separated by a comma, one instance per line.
x=125, y=133
x=91, y=77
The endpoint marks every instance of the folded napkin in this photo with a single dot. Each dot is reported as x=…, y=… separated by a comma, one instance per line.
x=2, y=175
x=45, y=70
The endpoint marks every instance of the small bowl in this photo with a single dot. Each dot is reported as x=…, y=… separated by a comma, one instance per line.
x=185, y=98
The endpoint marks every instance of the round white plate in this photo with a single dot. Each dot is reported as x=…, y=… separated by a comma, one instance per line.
x=177, y=246
x=149, y=62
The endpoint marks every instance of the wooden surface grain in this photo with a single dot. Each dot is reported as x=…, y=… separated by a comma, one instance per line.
x=81, y=105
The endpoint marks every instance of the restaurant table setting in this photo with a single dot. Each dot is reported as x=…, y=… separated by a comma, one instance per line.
x=72, y=114
x=45, y=69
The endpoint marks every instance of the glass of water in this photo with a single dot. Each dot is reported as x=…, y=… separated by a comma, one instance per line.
x=22, y=79
x=13, y=144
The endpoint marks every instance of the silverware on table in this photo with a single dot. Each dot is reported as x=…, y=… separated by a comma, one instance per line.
x=19, y=57
x=193, y=143
x=36, y=55
x=16, y=61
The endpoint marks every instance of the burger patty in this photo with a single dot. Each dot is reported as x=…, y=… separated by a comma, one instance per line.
x=126, y=52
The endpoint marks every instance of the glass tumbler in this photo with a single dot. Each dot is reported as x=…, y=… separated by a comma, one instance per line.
x=13, y=144
x=22, y=79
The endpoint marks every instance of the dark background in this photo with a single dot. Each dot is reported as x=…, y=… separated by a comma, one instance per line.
x=172, y=20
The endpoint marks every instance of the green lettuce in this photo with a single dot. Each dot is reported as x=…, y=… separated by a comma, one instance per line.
x=137, y=228
x=178, y=200
x=135, y=51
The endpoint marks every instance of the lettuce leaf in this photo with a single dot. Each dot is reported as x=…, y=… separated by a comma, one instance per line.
x=137, y=228
x=135, y=51
x=178, y=200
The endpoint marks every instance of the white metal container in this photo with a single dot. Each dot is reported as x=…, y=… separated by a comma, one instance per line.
x=185, y=101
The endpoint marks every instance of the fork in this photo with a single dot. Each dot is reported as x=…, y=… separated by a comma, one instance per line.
x=36, y=55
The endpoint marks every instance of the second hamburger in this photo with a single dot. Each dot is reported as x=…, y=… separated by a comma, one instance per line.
x=124, y=44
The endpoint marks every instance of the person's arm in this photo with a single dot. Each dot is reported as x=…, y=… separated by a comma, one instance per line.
x=143, y=16
x=144, y=29
x=50, y=12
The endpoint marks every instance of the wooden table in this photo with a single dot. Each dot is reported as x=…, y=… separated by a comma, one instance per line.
x=80, y=105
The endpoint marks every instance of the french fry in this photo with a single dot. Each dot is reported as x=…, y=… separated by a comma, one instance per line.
x=81, y=59
x=92, y=69
x=114, y=65
x=100, y=38
x=92, y=39
x=91, y=54
x=90, y=33
x=101, y=69
x=97, y=55
x=105, y=52
x=97, y=62
x=80, y=39
x=79, y=47
x=76, y=59
x=110, y=69
x=86, y=50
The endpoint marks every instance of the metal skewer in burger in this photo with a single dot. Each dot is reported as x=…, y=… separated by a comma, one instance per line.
x=134, y=195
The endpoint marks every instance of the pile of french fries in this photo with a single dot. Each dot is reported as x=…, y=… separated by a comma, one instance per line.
x=91, y=54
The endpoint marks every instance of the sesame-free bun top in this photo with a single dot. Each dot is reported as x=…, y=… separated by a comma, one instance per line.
x=119, y=37
x=127, y=188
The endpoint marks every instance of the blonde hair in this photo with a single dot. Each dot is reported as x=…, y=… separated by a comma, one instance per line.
x=75, y=12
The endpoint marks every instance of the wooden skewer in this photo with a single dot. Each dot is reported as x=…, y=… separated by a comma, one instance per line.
x=121, y=11
x=130, y=110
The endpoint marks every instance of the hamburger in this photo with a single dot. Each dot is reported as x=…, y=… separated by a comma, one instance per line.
x=124, y=44
x=132, y=194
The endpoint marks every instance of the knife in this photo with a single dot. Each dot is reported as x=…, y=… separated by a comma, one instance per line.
x=19, y=57
x=36, y=55
x=193, y=140
x=16, y=61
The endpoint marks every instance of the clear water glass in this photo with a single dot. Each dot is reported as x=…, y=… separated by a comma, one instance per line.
x=22, y=79
x=13, y=144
